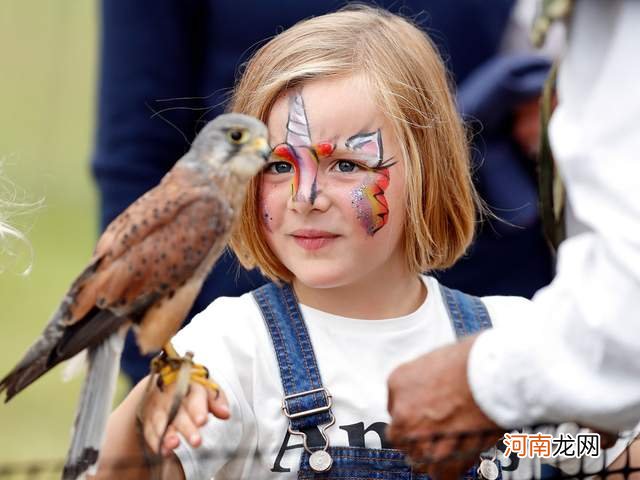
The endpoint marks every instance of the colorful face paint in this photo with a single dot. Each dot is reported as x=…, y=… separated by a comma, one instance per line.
x=368, y=199
x=324, y=149
x=301, y=153
x=370, y=144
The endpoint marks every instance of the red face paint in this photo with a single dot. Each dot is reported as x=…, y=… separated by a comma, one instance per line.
x=370, y=203
x=324, y=149
x=287, y=153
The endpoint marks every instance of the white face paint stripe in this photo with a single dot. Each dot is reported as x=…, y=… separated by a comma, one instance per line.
x=297, y=125
x=369, y=143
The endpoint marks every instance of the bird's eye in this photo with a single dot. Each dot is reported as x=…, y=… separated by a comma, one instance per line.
x=238, y=136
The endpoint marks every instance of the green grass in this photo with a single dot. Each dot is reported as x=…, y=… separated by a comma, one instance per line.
x=47, y=77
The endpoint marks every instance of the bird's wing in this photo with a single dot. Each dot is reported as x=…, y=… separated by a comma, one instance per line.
x=153, y=246
x=152, y=210
x=164, y=271
x=150, y=250
x=185, y=269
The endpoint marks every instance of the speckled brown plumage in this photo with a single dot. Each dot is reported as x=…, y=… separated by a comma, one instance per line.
x=155, y=246
x=151, y=261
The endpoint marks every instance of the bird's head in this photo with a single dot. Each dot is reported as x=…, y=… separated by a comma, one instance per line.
x=233, y=142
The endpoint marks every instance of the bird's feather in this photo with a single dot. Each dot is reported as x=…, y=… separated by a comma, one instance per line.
x=58, y=343
x=94, y=407
x=155, y=245
x=159, y=322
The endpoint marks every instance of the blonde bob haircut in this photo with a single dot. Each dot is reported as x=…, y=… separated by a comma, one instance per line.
x=410, y=83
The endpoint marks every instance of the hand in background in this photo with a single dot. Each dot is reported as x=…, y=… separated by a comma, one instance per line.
x=429, y=397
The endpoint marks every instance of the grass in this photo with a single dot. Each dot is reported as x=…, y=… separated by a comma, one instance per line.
x=47, y=88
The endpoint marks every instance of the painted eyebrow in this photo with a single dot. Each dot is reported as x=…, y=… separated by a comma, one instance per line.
x=342, y=150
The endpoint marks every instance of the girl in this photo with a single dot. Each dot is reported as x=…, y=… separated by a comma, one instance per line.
x=368, y=186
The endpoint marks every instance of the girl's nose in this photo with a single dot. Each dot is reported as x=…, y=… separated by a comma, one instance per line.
x=316, y=199
x=299, y=204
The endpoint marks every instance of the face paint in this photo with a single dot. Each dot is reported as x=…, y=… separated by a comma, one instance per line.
x=370, y=144
x=368, y=199
x=286, y=152
x=301, y=153
x=370, y=203
x=266, y=220
x=324, y=149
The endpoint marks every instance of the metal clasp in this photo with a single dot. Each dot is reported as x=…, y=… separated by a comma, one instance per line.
x=312, y=411
x=318, y=462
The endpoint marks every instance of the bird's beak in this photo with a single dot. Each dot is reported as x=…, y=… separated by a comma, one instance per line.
x=261, y=147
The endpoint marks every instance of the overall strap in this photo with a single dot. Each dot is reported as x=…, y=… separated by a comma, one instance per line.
x=467, y=313
x=306, y=402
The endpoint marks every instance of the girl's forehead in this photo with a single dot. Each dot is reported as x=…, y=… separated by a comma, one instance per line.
x=334, y=109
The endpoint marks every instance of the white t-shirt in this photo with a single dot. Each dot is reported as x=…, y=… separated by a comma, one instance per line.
x=355, y=357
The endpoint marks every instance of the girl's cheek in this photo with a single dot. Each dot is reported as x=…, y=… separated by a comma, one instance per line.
x=267, y=219
x=369, y=202
x=273, y=200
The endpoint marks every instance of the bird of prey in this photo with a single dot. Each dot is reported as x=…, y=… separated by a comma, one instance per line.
x=147, y=268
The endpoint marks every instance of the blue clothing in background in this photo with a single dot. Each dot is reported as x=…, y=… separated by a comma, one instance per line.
x=510, y=255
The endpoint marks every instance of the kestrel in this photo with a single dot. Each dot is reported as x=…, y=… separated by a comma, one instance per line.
x=146, y=272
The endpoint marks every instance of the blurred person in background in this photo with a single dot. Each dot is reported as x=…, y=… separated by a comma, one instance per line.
x=499, y=102
x=166, y=68
x=580, y=361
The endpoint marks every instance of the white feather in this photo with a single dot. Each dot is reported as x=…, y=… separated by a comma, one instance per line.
x=75, y=366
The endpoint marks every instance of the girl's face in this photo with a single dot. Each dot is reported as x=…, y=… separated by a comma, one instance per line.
x=332, y=196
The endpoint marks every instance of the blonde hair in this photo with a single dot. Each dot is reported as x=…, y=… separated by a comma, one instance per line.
x=411, y=86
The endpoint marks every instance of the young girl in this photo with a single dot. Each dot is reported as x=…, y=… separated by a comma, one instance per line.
x=368, y=186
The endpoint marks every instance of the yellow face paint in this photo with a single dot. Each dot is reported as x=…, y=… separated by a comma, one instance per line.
x=368, y=199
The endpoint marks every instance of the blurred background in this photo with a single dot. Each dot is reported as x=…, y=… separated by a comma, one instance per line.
x=47, y=89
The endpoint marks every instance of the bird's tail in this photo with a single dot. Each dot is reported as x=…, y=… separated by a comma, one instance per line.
x=36, y=361
x=94, y=407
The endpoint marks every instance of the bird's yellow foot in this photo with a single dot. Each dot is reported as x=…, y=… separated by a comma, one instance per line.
x=168, y=367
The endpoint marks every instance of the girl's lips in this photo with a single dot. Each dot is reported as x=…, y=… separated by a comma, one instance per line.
x=313, y=239
x=313, y=243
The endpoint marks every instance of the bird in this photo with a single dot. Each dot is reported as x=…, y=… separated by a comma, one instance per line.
x=145, y=273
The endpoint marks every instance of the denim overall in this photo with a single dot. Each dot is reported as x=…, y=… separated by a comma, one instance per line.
x=307, y=403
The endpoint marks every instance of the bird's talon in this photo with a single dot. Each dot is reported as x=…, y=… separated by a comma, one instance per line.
x=207, y=383
x=167, y=368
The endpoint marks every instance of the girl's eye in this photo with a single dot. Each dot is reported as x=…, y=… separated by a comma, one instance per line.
x=279, y=167
x=346, y=166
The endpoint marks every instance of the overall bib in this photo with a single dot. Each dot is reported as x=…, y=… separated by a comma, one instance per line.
x=307, y=403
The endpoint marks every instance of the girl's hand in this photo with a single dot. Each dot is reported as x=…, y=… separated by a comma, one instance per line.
x=192, y=415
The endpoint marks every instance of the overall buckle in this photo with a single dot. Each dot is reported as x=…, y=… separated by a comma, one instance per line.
x=319, y=460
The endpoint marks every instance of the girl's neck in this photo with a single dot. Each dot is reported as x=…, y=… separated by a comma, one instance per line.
x=393, y=295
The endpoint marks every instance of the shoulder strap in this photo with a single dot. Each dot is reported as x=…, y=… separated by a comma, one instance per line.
x=306, y=403
x=467, y=313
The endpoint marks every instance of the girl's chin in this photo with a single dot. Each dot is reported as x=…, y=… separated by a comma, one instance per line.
x=328, y=279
